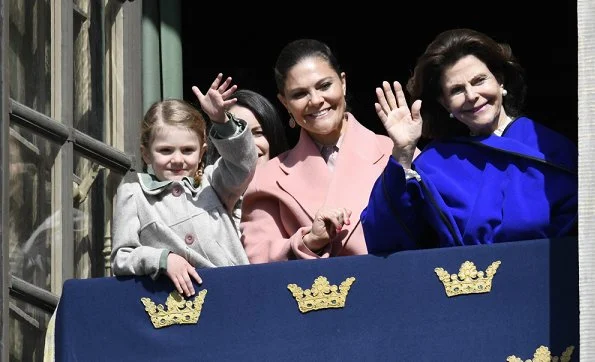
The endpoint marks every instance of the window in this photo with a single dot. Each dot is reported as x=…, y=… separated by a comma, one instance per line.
x=69, y=100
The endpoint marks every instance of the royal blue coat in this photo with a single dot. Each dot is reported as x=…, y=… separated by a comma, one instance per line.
x=477, y=190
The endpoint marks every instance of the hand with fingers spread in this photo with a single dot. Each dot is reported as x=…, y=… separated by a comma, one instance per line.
x=402, y=124
x=215, y=102
x=327, y=223
x=180, y=271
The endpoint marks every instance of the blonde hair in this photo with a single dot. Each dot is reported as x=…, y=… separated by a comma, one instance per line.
x=173, y=112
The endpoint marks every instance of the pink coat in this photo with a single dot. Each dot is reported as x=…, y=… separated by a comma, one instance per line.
x=286, y=192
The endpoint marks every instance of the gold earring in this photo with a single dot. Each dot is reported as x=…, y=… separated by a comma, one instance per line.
x=291, y=121
x=199, y=173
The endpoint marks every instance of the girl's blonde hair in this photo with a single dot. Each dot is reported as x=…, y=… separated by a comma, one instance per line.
x=173, y=112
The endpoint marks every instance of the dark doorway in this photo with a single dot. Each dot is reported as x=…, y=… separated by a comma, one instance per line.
x=376, y=47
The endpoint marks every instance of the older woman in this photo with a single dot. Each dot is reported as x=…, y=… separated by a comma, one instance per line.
x=305, y=203
x=490, y=174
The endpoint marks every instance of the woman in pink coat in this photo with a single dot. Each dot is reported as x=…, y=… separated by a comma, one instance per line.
x=305, y=203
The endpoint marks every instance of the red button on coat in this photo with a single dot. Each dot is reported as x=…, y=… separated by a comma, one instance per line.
x=177, y=190
x=189, y=238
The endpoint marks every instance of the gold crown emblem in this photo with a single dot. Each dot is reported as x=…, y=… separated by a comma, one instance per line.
x=179, y=310
x=322, y=295
x=542, y=354
x=469, y=280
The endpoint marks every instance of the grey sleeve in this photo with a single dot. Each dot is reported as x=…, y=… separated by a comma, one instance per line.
x=233, y=171
x=231, y=128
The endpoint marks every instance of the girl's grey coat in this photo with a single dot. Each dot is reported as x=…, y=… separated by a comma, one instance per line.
x=151, y=219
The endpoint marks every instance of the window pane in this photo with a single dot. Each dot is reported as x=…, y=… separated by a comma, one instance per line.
x=94, y=190
x=34, y=205
x=27, y=326
x=29, y=57
x=88, y=68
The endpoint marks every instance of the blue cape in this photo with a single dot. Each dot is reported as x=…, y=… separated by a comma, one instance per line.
x=477, y=190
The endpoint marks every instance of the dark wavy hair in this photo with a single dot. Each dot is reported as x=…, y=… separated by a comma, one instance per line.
x=445, y=50
x=267, y=115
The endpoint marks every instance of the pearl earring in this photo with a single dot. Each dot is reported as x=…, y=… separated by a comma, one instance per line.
x=504, y=92
x=451, y=115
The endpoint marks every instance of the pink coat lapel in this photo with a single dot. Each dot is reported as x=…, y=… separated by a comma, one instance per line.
x=308, y=180
x=306, y=175
x=360, y=161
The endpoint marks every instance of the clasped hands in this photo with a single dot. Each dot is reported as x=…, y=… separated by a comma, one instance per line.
x=327, y=223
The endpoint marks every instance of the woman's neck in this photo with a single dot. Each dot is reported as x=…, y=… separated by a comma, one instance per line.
x=330, y=139
x=496, y=127
x=503, y=122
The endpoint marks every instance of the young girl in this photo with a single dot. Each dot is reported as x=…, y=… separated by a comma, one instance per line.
x=176, y=216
